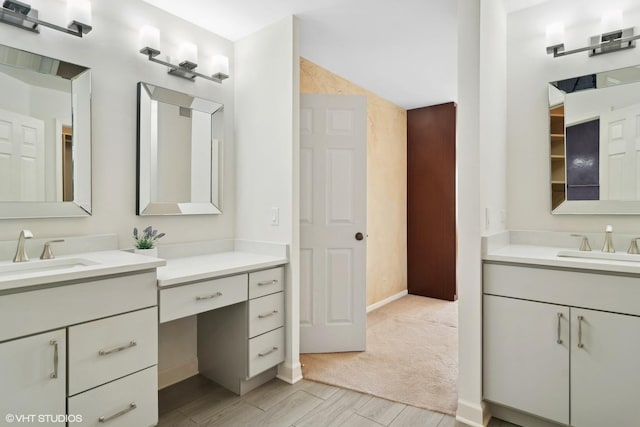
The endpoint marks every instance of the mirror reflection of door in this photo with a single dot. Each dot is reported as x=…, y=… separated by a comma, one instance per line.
x=67, y=164
x=620, y=168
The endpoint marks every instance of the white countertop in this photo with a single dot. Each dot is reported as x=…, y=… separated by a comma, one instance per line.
x=548, y=256
x=103, y=263
x=201, y=267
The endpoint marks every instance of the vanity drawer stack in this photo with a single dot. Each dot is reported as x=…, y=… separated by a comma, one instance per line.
x=266, y=320
x=240, y=343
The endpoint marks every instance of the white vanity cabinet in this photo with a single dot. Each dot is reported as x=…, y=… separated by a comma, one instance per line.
x=526, y=356
x=33, y=376
x=562, y=345
x=605, y=371
x=100, y=361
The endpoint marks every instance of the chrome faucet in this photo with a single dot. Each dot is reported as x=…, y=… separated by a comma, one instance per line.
x=21, y=253
x=584, y=244
x=46, y=250
x=608, y=242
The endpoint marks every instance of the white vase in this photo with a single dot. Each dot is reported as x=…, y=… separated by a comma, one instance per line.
x=148, y=252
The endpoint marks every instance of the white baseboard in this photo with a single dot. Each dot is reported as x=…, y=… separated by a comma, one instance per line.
x=290, y=374
x=472, y=414
x=386, y=301
x=520, y=418
x=178, y=373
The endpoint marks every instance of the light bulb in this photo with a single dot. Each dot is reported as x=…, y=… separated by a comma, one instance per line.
x=220, y=65
x=149, y=37
x=555, y=34
x=188, y=53
x=79, y=11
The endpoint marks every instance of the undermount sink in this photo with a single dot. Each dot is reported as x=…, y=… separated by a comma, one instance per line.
x=615, y=256
x=43, y=266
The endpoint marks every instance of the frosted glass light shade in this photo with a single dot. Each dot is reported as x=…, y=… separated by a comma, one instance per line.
x=79, y=11
x=188, y=52
x=555, y=34
x=611, y=21
x=149, y=37
x=220, y=65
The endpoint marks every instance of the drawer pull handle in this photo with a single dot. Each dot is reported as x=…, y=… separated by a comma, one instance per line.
x=559, y=339
x=54, y=374
x=268, y=352
x=117, y=349
x=580, y=343
x=131, y=407
x=262, y=316
x=268, y=282
x=212, y=296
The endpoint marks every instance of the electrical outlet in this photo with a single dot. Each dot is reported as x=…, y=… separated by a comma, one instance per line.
x=275, y=216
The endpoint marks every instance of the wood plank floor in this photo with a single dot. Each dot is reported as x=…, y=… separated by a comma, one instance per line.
x=197, y=402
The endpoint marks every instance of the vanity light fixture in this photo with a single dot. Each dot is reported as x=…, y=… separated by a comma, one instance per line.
x=609, y=41
x=150, y=46
x=21, y=15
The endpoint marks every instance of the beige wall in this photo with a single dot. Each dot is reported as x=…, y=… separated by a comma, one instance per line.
x=386, y=181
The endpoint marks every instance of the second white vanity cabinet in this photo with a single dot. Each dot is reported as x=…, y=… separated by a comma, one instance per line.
x=562, y=345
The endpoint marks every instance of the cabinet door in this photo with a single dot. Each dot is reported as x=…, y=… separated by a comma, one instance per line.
x=605, y=369
x=28, y=381
x=526, y=356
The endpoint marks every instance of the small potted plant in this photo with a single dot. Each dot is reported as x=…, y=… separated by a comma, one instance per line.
x=145, y=241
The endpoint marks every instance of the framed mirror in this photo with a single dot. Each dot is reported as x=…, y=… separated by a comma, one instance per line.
x=179, y=153
x=594, y=125
x=45, y=136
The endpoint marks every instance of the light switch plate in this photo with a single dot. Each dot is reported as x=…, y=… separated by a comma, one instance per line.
x=275, y=216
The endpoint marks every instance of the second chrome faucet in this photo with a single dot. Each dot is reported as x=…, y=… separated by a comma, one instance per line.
x=608, y=241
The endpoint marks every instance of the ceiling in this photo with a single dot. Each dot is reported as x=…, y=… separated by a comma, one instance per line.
x=404, y=51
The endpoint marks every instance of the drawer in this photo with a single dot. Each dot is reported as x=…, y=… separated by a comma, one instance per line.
x=592, y=290
x=107, y=349
x=266, y=282
x=75, y=303
x=265, y=351
x=266, y=314
x=183, y=301
x=130, y=401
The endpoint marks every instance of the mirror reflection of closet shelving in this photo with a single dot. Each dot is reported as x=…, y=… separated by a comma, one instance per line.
x=558, y=167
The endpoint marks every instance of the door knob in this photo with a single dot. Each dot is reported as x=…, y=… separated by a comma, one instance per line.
x=359, y=236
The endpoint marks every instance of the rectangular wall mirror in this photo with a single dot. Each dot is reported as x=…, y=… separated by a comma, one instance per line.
x=45, y=136
x=595, y=143
x=179, y=153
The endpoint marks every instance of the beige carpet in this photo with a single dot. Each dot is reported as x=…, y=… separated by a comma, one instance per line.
x=411, y=357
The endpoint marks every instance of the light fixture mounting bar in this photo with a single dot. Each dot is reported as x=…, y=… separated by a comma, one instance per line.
x=185, y=69
x=608, y=46
x=22, y=16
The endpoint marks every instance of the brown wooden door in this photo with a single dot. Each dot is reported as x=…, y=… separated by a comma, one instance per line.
x=431, y=199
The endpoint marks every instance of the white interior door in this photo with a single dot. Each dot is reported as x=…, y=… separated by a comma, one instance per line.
x=333, y=219
x=620, y=154
x=21, y=158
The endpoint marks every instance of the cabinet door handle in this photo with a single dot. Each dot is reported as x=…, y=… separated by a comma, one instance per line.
x=54, y=374
x=268, y=352
x=580, y=343
x=262, y=316
x=117, y=349
x=130, y=408
x=559, y=339
x=268, y=282
x=212, y=296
